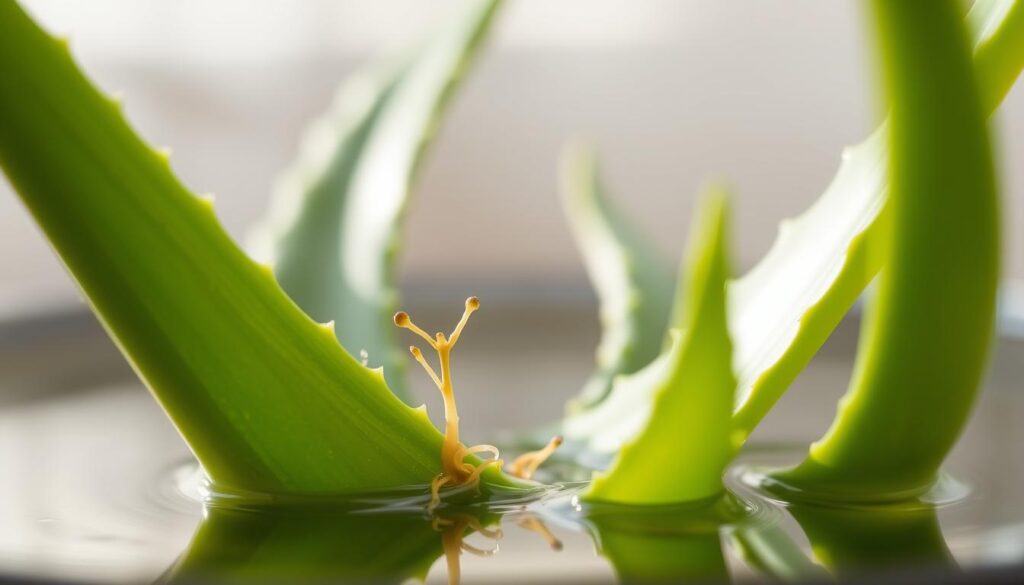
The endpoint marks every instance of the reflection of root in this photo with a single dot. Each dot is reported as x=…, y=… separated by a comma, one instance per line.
x=435, y=491
x=495, y=534
x=535, y=524
x=452, y=533
x=526, y=464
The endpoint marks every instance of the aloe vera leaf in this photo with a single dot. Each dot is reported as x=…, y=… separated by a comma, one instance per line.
x=624, y=413
x=332, y=233
x=925, y=338
x=265, y=397
x=633, y=287
x=997, y=27
x=680, y=454
x=783, y=310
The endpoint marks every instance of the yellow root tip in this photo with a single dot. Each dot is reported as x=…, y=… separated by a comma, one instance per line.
x=526, y=464
x=402, y=319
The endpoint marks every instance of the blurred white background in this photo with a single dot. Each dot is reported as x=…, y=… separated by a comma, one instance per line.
x=762, y=94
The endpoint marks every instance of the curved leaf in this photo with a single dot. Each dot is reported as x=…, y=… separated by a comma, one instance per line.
x=684, y=446
x=266, y=398
x=332, y=232
x=925, y=339
x=634, y=289
x=783, y=310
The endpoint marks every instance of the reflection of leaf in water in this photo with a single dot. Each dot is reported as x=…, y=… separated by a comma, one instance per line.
x=307, y=545
x=661, y=544
x=851, y=541
x=640, y=557
x=770, y=552
x=314, y=544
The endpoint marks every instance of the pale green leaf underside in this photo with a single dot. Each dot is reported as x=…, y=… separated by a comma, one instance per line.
x=783, y=310
x=332, y=231
x=684, y=446
x=633, y=287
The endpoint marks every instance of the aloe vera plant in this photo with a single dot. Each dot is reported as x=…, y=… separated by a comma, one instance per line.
x=265, y=397
x=783, y=310
x=269, y=401
x=332, y=232
x=336, y=542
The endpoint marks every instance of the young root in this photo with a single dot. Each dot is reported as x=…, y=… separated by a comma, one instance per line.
x=455, y=470
x=526, y=464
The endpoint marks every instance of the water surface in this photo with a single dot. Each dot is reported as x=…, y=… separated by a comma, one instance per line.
x=96, y=485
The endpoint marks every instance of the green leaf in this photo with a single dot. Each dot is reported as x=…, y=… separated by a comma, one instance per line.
x=332, y=232
x=926, y=336
x=265, y=397
x=624, y=413
x=632, y=285
x=685, y=444
x=783, y=310
x=996, y=27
